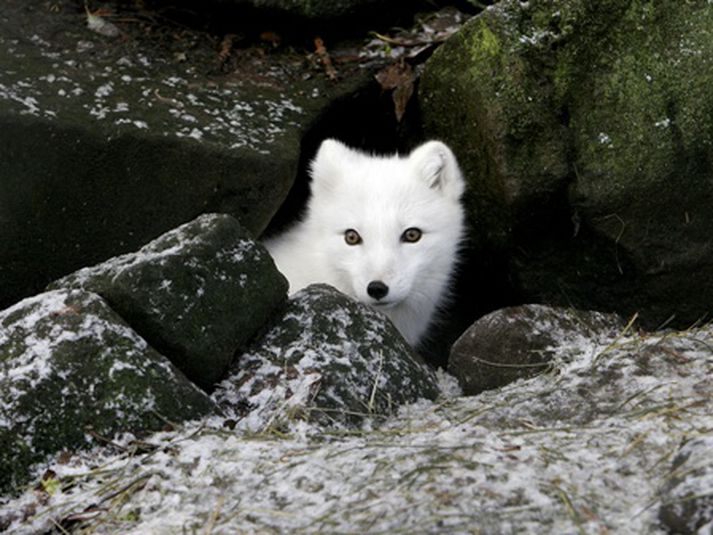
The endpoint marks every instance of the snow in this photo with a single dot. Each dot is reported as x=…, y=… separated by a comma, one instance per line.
x=494, y=462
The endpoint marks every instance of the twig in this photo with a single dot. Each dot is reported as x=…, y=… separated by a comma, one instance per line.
x=377, y=377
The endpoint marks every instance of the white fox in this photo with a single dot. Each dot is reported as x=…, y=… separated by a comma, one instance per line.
x=384, y=230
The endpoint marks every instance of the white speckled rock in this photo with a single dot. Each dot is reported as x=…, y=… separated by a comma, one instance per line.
x=68, y=363
x=197, y=293
x=328, y=359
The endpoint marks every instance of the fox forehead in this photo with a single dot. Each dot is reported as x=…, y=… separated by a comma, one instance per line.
x=383, y=211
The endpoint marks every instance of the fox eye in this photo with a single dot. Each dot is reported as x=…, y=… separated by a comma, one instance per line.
x=411, y=235
x=352, y=237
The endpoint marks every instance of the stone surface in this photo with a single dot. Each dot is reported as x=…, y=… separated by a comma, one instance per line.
x=70, y=368
x=686, y=499
x=520, y=342
x=327, y=359
x=585, y=130
x=323, y=9
x=585, y=448
x=107, y=142
x=196, y=293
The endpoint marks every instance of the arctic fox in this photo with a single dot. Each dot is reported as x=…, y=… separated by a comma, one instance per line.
x=384, y=230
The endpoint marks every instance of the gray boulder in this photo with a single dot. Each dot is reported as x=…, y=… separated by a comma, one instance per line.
x=328, y=359
x=686, y=499
x=107, y=142
x=520, y=342
x=196, y=293
x=71, y=370
x=586, y=132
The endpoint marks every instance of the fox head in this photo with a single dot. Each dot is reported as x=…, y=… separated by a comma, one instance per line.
x=388, y=227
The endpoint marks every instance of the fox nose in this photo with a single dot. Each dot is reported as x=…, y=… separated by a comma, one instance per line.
x=377, y=289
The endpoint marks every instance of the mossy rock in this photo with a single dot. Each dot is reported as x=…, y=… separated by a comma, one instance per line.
x=69, y=368
x=586, y=132
x=327, y=359
x=197, y=293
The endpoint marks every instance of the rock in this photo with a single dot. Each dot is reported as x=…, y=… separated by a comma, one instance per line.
x=109, y=142
x=520, y=342
x=328, y=359
x=587, y=134
x=686, y=499
x=69, y=368
x=197, y=293
x=323, y=9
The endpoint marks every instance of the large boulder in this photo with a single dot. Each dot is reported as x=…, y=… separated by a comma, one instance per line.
x=327, y=359
x=197, y=293
x=520, y=342
x=586, y=131
x=71, y=370
x=107, y=142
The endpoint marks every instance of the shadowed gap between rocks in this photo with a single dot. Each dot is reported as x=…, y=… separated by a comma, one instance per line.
x=366, y=120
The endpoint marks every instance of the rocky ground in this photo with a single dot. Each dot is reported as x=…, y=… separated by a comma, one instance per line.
x=613, y=439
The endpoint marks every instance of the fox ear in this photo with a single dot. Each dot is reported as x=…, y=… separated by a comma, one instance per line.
x=437, y=166
x=328, y=164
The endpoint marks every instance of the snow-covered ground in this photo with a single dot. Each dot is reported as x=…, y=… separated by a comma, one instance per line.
x=585, y=448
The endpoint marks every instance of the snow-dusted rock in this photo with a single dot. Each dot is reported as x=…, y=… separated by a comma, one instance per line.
x=582, y=449
x=328, y=359
x=520, y=342
x=109, y=142
x=687, y=498
x=196, y=293
x=70, y=368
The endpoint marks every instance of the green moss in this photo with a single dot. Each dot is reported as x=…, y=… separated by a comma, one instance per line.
x=603, y=108
x=484, y=43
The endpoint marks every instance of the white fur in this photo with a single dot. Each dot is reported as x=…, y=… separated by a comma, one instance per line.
x=379, y=197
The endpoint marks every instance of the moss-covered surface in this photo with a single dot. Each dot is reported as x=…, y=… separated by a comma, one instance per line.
x=586, y=132
x=328, y=359
x=196, y=293
x=72, y=370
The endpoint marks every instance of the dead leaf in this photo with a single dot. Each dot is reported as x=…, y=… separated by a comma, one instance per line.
x=401, y=96
x=398, y=78
x=323, y=56
x=98, y=24
x=226, y=45
x=271, y=37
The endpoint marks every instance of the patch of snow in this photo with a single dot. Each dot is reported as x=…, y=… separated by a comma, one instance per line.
x=604, y=139
x=104, y=90
x=663, y=123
